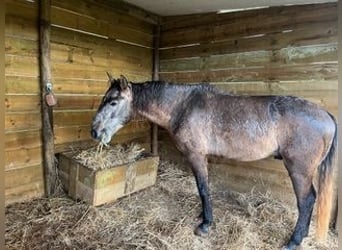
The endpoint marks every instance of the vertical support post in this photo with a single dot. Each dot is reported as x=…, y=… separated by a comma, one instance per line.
x=50, y=173
x=155, y=77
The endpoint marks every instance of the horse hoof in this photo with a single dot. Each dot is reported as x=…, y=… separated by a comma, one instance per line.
x=290, y=246
x=202, y=231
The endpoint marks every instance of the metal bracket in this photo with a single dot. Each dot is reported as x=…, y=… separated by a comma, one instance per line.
x=48, y=87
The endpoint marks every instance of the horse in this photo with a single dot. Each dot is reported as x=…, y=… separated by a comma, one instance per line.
x=204, y=121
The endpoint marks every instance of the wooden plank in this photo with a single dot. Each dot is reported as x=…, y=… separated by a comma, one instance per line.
x=284, y=56
x=322, y=33
x=80, y=86
x=24, y=192
x=22, y=139
x=306, y=72
x=104, y=47
x=21, y=85
x=22, y=103
x=78, y=133
x=117, y=12
x=235, y=28
x=22, y=47
x=22, y=9
x=69, y=71
x=244, y=178
x=100, y=27
x=77, y=102
x=20, y=158
x=20, y=27
x=72, y=134
x=130, y=10
x=21, y=65
x=195, y=20
x=101, y=57
x=22, y=121
x=64, y=118
x=22, y=176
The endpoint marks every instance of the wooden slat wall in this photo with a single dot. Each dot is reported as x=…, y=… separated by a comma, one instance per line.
x=88, y=38
x=23, y=160
x=289, y=50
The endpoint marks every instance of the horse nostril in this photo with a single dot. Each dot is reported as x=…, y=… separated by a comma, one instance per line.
x=93, y=133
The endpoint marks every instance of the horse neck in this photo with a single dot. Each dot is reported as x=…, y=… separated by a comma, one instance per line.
x=156, y=101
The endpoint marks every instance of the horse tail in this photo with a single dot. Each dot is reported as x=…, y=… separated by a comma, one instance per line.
x=325, y=189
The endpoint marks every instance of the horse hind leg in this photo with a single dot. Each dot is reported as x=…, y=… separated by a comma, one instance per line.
x=301, y=177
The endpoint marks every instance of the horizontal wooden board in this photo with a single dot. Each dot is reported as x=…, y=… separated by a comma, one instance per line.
x=22, y=103
x=305, y=72
x=322, y=33
x=20, y=46
x=80, y=86
x=64, y=118
x=22, y=176
x=24, y=28
x=65, y=18
x=108, y=57
x=20, y=158
x=284, y=56
x=236, y=28
x=22, y=9
x=69, y=71
x=107, y=12
x=24, y=192
x=78, y=133
x=77, y=102
x=196, y=20
x=22, y=139
x=21, y=85
x=22, y=121
x=92, y=44
x=21, y=65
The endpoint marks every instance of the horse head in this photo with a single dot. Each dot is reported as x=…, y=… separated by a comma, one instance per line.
x=114, y=111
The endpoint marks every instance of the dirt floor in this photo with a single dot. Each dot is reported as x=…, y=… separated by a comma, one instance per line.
x=160, y=217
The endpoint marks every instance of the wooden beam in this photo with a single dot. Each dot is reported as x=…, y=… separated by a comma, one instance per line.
x=50, y=171
x=155, y=77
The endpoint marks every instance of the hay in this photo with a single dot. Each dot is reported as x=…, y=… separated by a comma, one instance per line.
x=160, y=217
x=103, y=157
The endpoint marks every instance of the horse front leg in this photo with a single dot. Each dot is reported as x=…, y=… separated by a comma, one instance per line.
x=200, y=171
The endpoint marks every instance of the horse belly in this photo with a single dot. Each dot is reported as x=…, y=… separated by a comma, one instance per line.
x=245, y=147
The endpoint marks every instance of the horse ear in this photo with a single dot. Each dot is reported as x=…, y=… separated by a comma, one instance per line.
x=110, y=77
x=123, y=82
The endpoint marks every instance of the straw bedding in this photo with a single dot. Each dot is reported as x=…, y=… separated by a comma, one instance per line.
x=103, y=157
x=160, y=217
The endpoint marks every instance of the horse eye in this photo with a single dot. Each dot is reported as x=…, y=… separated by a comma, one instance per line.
x=112, y=103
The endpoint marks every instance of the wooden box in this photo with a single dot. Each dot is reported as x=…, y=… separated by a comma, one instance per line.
x=98, y=187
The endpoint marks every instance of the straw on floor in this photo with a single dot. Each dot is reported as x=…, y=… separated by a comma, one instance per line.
x=160, y=217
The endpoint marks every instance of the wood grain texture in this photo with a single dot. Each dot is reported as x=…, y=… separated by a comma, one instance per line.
x=273, y=20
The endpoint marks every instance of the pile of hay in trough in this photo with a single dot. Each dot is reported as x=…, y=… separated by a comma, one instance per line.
x=97, y=157
x=160, y=217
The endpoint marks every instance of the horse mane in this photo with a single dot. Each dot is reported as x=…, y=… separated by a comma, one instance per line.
x=155, y=90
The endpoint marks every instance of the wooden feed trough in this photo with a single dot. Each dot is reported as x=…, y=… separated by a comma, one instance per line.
x=101, y=186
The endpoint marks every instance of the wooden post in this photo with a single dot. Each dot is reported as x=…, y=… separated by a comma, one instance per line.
x=50, y=171
x=155, y=77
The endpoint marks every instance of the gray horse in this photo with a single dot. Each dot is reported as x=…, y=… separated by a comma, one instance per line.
x=204, y=121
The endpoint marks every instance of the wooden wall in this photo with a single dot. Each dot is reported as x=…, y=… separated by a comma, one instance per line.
x=88, y=38
x=290, y=50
